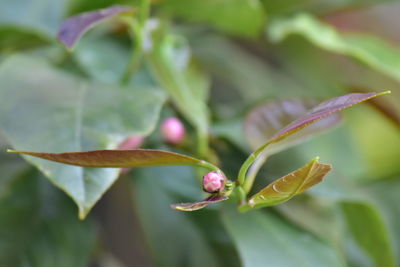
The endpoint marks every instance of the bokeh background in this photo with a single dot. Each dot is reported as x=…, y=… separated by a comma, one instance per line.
x=245, y=52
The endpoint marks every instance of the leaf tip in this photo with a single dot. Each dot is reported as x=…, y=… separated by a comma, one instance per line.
x=11, y=151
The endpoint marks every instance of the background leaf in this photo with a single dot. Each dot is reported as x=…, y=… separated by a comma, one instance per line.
x=263, y=239
x=62, y=113
x=368, y=49
x=73, y=28
x=239, y=17
x=53, y=236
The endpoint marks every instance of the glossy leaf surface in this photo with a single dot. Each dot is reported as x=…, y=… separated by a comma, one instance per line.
x=116, y=158
x=370, y=50
x=48, y=110
x=199, y=204
x=290, y=185
x=73, y=28
x=267, y=119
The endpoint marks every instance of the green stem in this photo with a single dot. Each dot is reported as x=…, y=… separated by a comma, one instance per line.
x=252, y=173
x=245, y=166
x=136, y=33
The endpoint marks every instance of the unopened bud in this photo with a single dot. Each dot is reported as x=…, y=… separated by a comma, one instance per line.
x=131, y=142
x=213, y=182
x=173, y=130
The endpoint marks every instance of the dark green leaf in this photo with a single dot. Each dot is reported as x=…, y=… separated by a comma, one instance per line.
x=290, y=185
x=38, y=227
x=371, y=50
x=238, y=17
x=73, y=28
x=46, y=110
x=174, y=238
x=264, y=239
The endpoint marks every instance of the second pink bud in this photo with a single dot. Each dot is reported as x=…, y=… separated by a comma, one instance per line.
x=173, y=130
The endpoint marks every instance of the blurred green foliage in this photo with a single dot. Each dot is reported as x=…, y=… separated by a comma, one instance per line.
x=209, y=62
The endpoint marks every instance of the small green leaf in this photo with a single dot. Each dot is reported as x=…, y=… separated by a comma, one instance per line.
x=370, y=50
x=73, y=28
x=117, y=158
x=199, y=204
x=290, y=185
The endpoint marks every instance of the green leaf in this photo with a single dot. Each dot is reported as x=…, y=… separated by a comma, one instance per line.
x=265, y=120
x=369, y=231
x=263, y=239
x=29, y=23
x=237, y=17
x=117, y=158
x=290, y=185
x=73, y=28
x=38, y=227
x=46, y=110
x=370, y=50
x=171, y=63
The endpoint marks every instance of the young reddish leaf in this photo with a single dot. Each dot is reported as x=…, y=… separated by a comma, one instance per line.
x=290, y=185
x=199, y=204
x=73, y=28
x=118, y=158
x=323, y=110
x=265, y=120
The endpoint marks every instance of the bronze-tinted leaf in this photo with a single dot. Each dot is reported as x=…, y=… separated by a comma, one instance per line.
x=290, y=185
x=199, y=204
x=267, y=119
x=116, y=158
x=73, y=28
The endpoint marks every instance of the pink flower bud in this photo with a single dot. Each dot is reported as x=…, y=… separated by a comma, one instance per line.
x=131, y=142
x=213, y=182
x=173, y=130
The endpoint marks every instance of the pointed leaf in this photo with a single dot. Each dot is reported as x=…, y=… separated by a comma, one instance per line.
x=52, y=111
x=290, y=185
x=370, y=50
x=199, y=204
x=265, y=120
x=73, y=28
x=116, y=158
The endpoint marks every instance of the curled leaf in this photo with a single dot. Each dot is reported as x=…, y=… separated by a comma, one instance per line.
x=73, y=28
x=290, y=185
x=199, y=204
x=117, y=158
